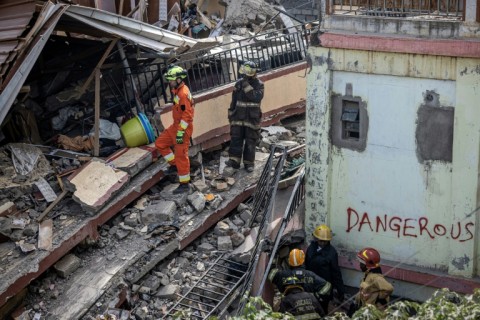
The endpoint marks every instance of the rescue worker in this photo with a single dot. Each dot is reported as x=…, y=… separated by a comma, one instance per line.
x=322, y=259
x=309, y=280
x=302, y=305
x=245, y=116
x=374, y=289
x=178, y=134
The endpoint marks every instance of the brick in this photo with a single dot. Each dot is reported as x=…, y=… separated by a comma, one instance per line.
x=67, y=265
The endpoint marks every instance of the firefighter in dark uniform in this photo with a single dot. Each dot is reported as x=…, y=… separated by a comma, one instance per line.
x=245, y=116
x=322, y=258
x=307, y=279
x=302, y=305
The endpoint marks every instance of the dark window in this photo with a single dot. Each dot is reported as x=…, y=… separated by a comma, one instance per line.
x=349, y=127
x=350, y=120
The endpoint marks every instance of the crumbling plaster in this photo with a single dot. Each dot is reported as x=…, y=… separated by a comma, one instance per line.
x=446, y=193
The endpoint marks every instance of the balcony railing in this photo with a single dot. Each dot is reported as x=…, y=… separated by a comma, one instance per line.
x=429, y=9
x=144, y=86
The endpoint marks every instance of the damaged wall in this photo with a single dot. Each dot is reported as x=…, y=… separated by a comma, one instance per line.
x=415, y=211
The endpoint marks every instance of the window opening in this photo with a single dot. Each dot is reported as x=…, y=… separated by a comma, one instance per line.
x=350, y=120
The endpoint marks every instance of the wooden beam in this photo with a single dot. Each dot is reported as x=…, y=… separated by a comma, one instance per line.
x=99, y=65
x=52, y=205
x=96, y=137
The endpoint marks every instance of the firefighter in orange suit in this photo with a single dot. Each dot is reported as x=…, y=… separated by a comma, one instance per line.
x=179, y=133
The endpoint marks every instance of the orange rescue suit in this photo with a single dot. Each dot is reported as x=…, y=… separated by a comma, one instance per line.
x=182, y=112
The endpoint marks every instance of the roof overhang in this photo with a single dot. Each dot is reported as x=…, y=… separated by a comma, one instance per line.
x=117, y=26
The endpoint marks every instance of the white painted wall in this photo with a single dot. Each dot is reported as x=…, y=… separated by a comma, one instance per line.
x=387, y=178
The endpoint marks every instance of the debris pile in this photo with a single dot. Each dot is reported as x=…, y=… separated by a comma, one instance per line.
x=150, y=289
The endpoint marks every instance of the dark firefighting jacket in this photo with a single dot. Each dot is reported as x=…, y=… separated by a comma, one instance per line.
x=324, y=263
x=307, y=279
x=302, y=305
x=245, y=106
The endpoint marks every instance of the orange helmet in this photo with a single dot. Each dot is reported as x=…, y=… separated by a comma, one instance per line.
x=369, y=257
x=296, y=258
x=323, y=232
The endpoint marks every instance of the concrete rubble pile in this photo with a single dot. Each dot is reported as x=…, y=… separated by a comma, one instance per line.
x=155, y=219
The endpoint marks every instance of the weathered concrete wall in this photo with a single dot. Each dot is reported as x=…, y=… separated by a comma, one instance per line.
x=415, y=26
x=414, y=211
x=283, y=87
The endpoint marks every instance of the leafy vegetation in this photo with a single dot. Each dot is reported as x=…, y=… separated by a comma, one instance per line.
x=443, y=305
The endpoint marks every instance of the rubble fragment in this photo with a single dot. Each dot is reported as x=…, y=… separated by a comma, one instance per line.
x=67, y=265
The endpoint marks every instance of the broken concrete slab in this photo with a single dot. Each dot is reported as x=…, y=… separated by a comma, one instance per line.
x=67, y=265
x=22, y=269
x=95, y=184
x=133, y=160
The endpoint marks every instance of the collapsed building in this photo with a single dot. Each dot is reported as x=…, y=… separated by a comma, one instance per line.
x=71, y=76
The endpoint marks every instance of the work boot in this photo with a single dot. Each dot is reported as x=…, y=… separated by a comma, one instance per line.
x=249, y=167
x=182, y=188
x=172, y=170
x=232, y=163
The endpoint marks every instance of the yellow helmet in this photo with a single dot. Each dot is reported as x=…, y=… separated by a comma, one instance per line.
x=296, y=258
x=175, y=72
x=323, y=232
x=249, y=68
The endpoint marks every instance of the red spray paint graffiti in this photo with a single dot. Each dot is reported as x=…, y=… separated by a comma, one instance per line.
x=408, y=227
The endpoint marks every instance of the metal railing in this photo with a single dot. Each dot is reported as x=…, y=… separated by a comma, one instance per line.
x=210, y=292
x=210, y=68
x=451, y=9
x=298, y=194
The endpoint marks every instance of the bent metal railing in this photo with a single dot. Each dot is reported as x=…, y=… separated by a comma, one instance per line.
x=449, y=9
x=212, y=67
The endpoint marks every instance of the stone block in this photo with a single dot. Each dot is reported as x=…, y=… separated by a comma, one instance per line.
x=159, y=211
x=246, y=216
x=197, y=200
x=237, y=239
x=224, y=243
x=205, y=247
x=67, y=265
x=221, y=229
x=168, y=292
x=242, y=253
x=200, y=186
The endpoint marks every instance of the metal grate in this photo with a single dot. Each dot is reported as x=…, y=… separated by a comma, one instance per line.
x=210, y=292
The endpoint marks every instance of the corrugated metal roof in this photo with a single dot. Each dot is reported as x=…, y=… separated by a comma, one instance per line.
x=25, y=40
x=15, y=17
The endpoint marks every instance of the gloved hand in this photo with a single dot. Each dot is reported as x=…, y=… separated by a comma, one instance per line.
x=246, y=86
x=180, y=134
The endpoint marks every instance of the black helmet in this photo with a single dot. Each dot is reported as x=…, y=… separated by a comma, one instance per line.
x=291, y=283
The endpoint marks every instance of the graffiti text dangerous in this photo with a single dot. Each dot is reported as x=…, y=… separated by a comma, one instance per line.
x=408, y=227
